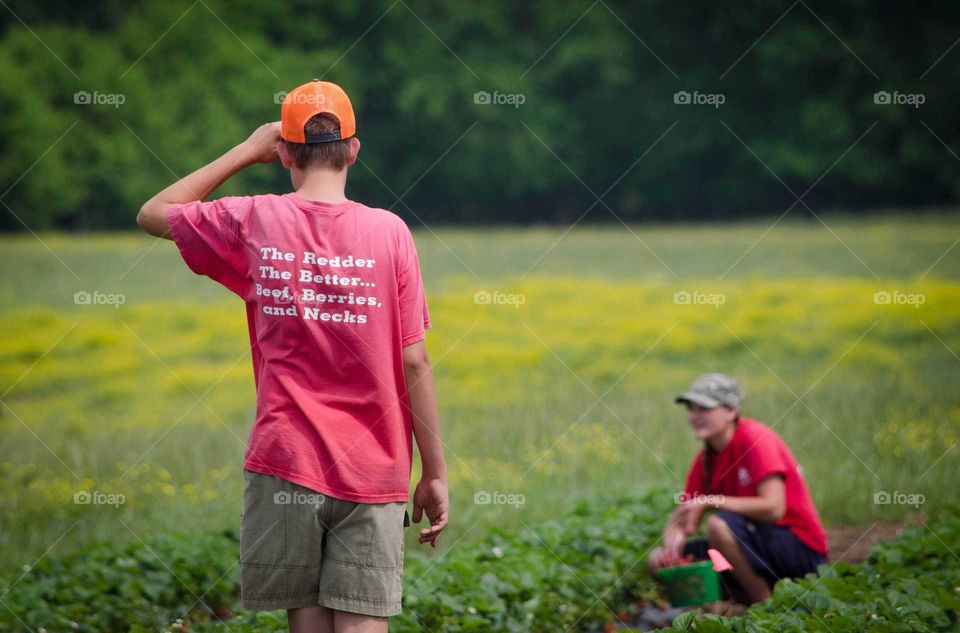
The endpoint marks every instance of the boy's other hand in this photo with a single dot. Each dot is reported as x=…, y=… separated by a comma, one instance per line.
x=431, y=496
x=261, y=146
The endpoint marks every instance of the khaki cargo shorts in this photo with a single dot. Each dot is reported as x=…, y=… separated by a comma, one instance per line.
x=300, y=548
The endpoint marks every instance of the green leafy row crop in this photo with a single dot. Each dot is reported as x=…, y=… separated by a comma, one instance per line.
x=576, y=572
x=910, y=584
x=567, y=572
x=111, y=586
x=573, y=573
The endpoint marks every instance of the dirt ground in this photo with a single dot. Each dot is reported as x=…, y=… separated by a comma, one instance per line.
x=852, y=544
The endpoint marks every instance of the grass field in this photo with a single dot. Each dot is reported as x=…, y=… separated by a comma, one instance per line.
x=563, y=397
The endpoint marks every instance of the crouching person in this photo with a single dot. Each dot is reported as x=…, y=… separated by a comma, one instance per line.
x=761, y=516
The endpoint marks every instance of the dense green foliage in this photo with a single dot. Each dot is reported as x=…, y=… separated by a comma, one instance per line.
x=111, y=587
x=577, y=572
x=909, y=584
x=571, y=571
x=597, y=84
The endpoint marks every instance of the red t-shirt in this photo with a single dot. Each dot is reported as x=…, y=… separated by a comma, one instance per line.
x=756, y=452
x=333, y=293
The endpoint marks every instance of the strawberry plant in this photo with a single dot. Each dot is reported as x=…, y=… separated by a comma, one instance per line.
x=583, y=572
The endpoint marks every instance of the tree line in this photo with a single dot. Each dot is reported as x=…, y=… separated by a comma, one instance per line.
x=493, y=111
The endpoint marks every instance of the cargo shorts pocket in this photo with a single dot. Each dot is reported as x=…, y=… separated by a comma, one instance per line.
x=363, y=559
x=280, y=544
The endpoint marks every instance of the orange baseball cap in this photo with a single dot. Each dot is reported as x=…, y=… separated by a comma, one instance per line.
x=310, y=99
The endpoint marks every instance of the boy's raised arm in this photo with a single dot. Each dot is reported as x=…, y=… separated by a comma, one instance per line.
x=260, y=147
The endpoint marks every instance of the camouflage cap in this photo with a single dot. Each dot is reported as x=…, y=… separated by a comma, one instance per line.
x=713, y=390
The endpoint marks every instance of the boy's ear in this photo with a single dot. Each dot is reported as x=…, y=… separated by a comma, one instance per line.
x=282, y=153
x=354, y=150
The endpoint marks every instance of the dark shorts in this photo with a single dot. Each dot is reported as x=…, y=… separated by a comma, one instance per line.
x=774, y=552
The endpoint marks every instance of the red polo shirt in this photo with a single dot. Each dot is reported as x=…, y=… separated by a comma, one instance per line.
x=333, y=294
x=754, y=453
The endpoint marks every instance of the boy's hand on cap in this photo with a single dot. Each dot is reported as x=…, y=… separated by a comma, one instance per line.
x=261, y=146
x=431, y=496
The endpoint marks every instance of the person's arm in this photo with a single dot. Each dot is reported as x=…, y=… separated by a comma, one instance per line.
x=260, y=147
x=674, y=538
x=431, y=495
x=768, y=506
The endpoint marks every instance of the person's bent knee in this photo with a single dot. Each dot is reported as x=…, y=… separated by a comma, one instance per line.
x=718, y=532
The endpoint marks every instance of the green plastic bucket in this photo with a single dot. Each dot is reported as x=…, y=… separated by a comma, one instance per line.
x=695, y=583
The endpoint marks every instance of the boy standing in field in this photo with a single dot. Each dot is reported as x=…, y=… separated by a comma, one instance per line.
x=337, y=316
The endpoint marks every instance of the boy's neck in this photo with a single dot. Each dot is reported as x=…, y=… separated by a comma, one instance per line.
x=321, y=185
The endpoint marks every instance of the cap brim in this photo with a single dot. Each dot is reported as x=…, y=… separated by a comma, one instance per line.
x=698, y=399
